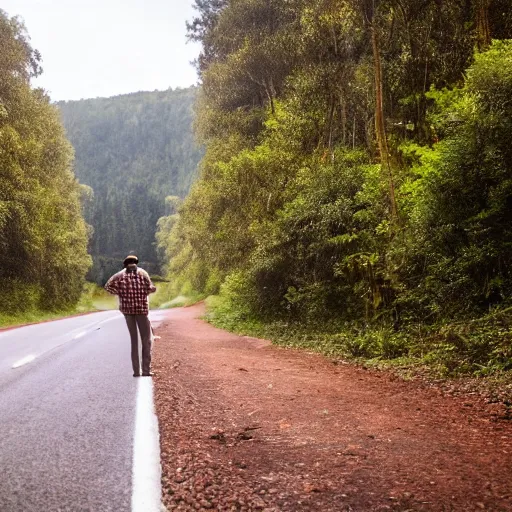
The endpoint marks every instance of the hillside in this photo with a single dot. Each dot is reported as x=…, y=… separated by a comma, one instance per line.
x=133, y=151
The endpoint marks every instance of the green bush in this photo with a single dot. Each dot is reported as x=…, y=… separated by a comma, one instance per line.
x=17, y=296
x=456, y=244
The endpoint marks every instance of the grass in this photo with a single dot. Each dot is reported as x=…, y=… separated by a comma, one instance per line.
x=165, y=297
x=94, y=298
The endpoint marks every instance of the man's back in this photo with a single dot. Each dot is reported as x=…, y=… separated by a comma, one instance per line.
x=133, y=287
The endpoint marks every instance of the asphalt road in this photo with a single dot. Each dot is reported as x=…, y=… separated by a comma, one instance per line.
x=68, y=404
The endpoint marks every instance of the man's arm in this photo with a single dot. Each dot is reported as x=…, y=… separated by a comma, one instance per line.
x=111, y=285
x=151, y=288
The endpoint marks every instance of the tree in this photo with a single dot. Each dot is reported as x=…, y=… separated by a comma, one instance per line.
x=43, y=236
x=330, y=155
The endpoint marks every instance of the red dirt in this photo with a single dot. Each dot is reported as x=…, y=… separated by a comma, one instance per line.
x=248, y=426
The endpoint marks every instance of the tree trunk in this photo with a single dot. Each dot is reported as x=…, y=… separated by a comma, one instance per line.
x=343, y=120
x=331, y=121
x=483, y=29
x=270, y=96
x=380, y=127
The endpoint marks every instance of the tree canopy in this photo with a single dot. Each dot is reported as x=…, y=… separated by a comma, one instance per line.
x=357, y=162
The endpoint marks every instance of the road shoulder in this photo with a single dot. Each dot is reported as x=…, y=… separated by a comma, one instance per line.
x=248, y=426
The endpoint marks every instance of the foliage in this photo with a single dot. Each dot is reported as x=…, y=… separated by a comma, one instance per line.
x=93, y=298
x=357, y=172
x=460, y=208
x=43, y=236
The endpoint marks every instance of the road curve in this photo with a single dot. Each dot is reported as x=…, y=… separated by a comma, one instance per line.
x=68, y=405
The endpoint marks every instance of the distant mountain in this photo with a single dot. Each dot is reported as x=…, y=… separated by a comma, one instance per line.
x=133, y=150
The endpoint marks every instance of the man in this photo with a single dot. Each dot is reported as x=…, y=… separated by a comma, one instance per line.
x=133, y=285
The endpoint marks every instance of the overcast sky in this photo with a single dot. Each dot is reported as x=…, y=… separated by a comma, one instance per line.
x=94, y=48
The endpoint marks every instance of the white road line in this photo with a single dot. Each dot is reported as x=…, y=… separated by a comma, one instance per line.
x=146, y=472
x=71, y=336
x=24, y=361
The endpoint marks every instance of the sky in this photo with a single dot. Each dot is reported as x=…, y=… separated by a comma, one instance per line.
x=101, y=48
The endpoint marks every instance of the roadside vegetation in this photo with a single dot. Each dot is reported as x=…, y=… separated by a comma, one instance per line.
x=478, y=348
x=356, y=192
x=168, y=295
x=43, y=236
x=93, y=299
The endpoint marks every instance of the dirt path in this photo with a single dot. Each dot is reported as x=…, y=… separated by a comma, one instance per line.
x=247, y=426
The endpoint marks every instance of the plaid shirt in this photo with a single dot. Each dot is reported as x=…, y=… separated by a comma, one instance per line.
x=133, y=289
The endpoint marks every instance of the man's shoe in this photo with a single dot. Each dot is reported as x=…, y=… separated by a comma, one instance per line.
x=136, y=374
x=148, y=374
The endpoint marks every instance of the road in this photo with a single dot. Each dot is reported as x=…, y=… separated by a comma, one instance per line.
x=77, y=431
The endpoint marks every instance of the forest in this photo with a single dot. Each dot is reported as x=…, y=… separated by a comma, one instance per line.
x=357, y=175
x=43, y=237
x=131, y=152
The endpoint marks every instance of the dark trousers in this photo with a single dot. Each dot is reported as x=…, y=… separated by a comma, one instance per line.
x=144, y=327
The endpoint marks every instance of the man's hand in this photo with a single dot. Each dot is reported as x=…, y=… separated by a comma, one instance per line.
x=111, y=285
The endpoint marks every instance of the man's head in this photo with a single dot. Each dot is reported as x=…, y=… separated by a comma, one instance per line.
x=130, y=260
